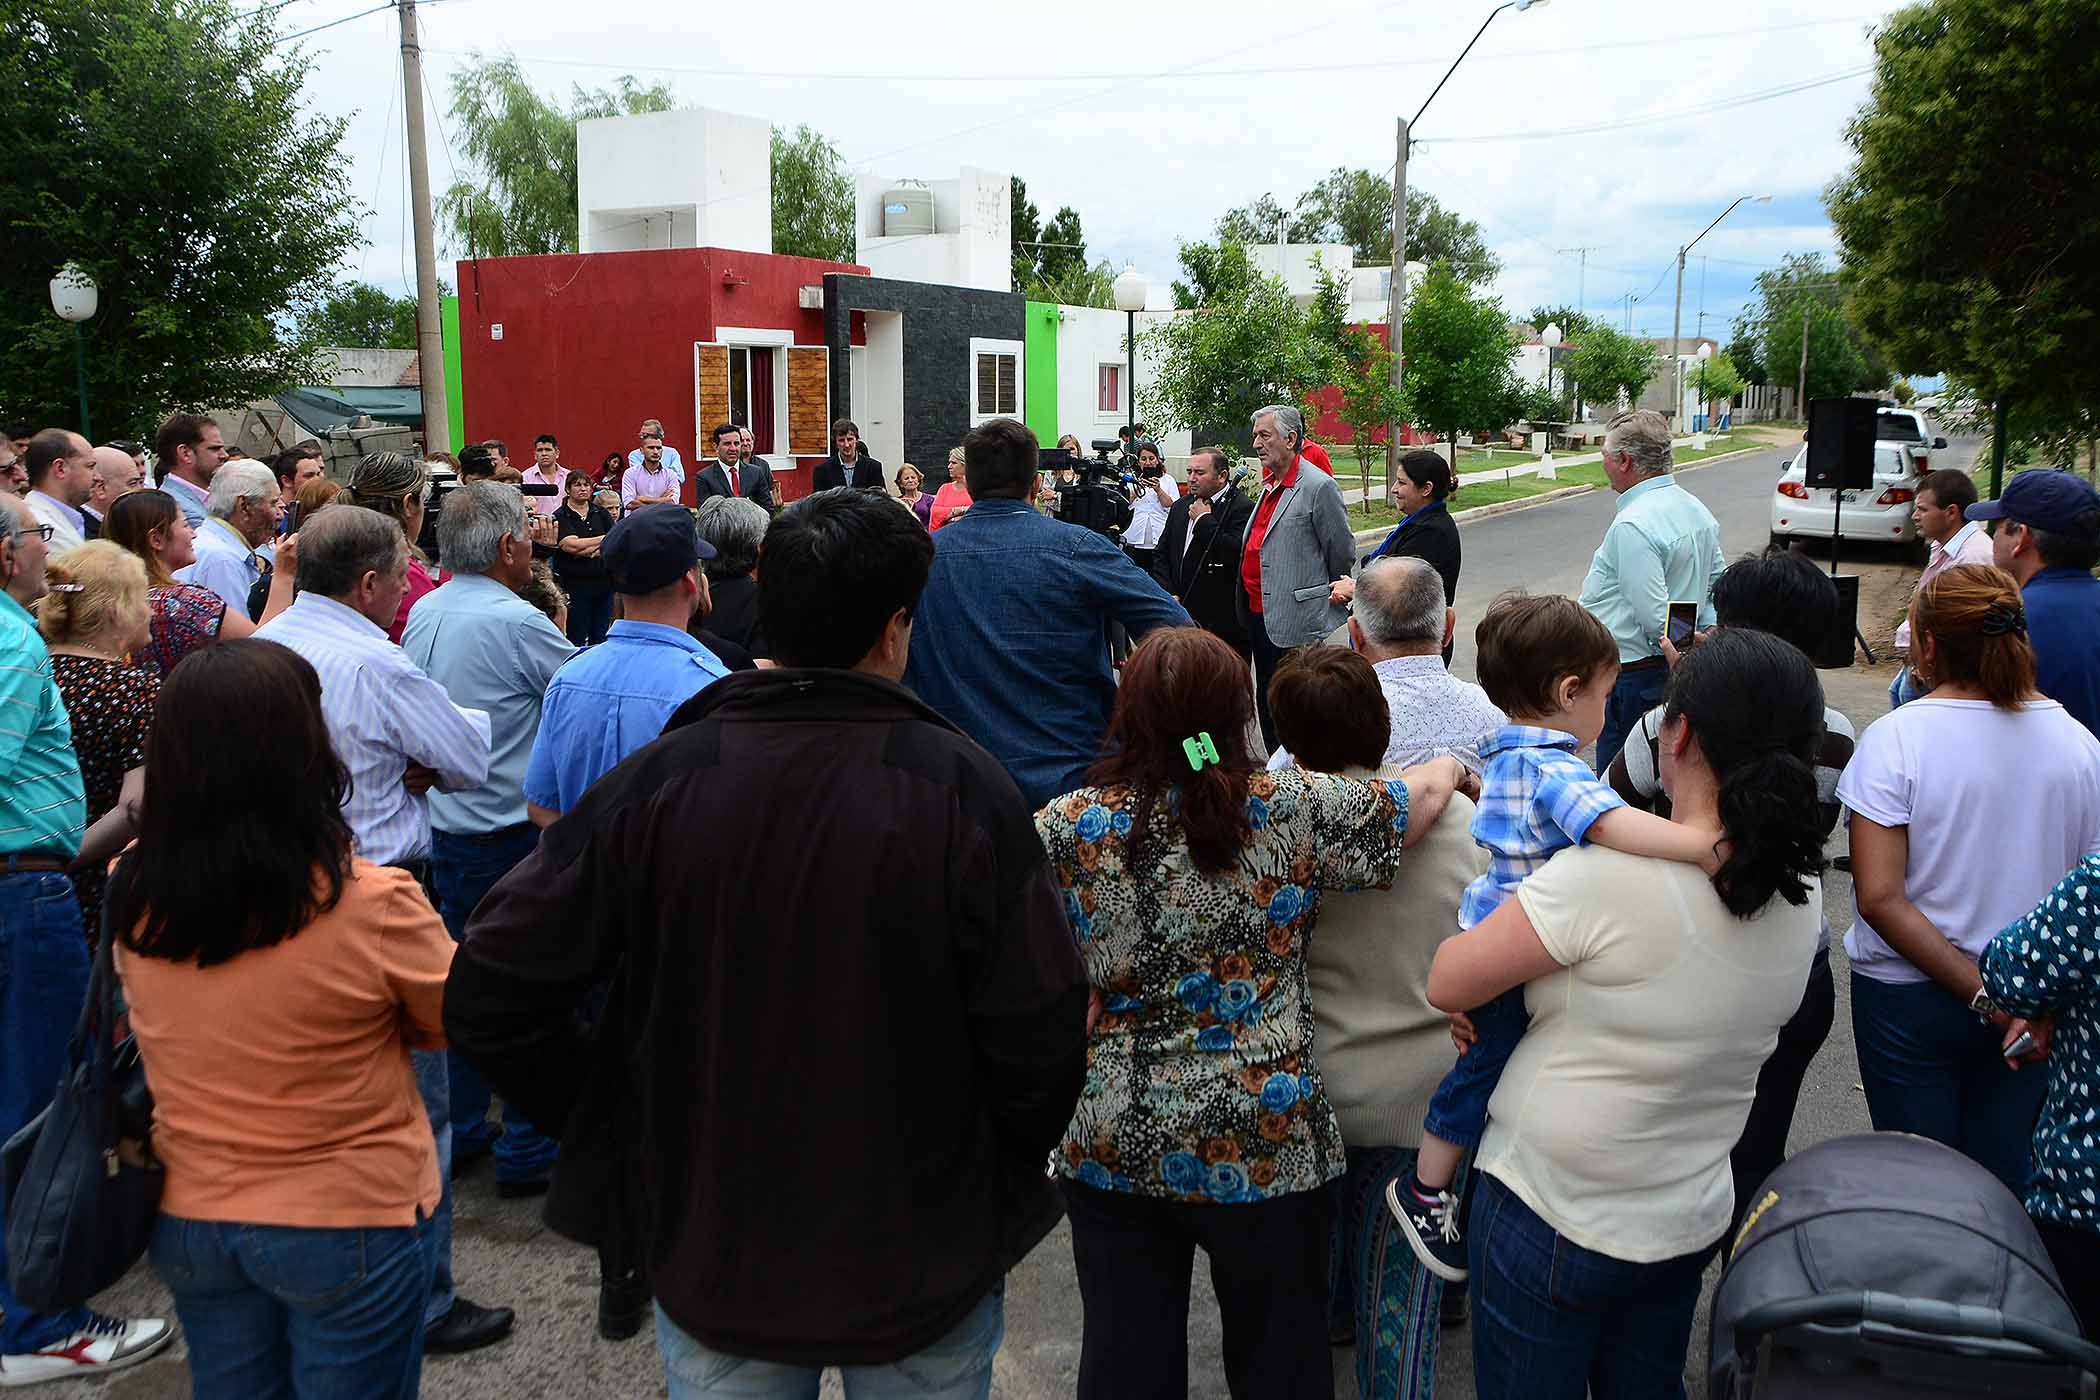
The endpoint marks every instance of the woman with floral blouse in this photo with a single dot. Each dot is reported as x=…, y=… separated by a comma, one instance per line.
x=1192, y=880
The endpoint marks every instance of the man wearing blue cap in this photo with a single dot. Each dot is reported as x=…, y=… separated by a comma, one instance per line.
x=2046, y=534
x=613, y=698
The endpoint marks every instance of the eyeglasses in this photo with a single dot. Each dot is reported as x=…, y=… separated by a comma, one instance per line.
x=42, y=532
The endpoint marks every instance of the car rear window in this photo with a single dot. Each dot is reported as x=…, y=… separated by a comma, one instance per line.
x=1897, y=427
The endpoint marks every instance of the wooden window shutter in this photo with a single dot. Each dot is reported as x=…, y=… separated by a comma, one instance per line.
x=809, y=400
x=711, y=392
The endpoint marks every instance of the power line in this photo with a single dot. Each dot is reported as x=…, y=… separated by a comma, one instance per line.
x=301, y=34
x=1649, y=118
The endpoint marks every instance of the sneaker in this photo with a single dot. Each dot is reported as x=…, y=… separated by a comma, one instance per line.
x=103, y=1344
x=1432, y=1228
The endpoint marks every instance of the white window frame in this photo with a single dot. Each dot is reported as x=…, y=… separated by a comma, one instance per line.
x=982, y=347
x=1122, y=372
x=777, y=341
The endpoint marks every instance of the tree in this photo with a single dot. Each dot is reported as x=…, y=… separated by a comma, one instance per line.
x=1458, y=373
x=522, y=151
x=360, y=314
x=1798, y=276
x=1050, y=260
x=210, y=222
x=1356, y=207
x=1903, y=391
x=1717, y=380
x=1746, y=350
x=1359, y=368
x=1571, y=322
x=1025, y=223
x=1249, y=346
x=1607, y=364
x=1215, y=272
x=1835, y=367
x=812, y=198
x=1967, y=219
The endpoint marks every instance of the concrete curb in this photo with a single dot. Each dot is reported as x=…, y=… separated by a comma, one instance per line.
x=1549, y=497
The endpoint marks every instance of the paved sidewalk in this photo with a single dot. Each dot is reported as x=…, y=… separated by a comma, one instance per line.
x=1352, y=495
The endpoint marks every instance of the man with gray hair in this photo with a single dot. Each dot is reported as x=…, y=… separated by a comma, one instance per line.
x=493, y=651
x=241, y=512
x=734, y=527
x=1663, y=546
x=1296, y=544
x=1400, y=623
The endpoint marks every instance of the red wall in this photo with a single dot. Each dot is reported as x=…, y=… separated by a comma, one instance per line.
x=1330, y=431
x=594, y=343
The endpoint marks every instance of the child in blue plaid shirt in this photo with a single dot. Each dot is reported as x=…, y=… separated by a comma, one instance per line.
x=1549, y=665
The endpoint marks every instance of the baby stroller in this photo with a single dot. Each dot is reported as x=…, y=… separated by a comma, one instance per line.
x=1889, y=1265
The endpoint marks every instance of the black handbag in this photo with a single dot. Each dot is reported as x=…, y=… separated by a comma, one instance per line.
x=78, y=1212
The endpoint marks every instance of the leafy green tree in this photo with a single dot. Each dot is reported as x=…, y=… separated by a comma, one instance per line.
x=1458, y=372
x=1571, y=322
x=1353, y=207
x=1025, y=224
x=1360, y=368
x=1607, y=364
x=1903, y=391
x=1214, y=272
x=1969, y=214
x=166, y=147
x=1356, y=207
x=1799, y=276
x=1050, y=259
x=1258, y=222
x=1435, y=233
x=1746, y=350
x=1835, y=366
x=521, y=198
x=359, y=313
x=812, y=198
x=1250, y=347
x=1717, y=380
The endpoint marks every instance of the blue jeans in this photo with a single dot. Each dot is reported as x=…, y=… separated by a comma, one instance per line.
x=1633, y=694
x=957, y=1367
x=43, y=981
x=272, y=1311
x=1458, y=1110
x=462, y=870
x=434, y=1082
x=1930, y=1066
x=1904, y=688
x=1553, y=1321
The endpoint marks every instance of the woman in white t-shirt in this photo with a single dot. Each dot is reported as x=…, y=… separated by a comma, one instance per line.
x=1655, y=993
x=1153, y=494
x=1967, y=806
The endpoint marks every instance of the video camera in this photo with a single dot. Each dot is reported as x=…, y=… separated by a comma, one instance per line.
x=1095, y=498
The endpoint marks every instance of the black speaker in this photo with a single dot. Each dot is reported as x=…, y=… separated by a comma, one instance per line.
x=1835, y=654
x=1841, y=443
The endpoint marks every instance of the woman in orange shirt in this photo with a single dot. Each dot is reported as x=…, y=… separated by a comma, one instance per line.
x=276, y=985
x=954, y=497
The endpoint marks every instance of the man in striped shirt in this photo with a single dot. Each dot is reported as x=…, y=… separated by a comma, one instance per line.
x=43, y=811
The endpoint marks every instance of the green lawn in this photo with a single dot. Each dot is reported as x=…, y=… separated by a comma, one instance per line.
x=1493, y=491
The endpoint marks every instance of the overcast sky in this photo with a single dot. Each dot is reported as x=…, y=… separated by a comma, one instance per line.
x=1222, y=101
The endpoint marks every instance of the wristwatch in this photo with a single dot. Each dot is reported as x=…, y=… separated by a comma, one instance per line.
x=1982, y=1004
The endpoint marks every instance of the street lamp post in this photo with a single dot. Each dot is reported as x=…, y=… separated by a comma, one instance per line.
x=1706, y=352
x=1550, y=338
x=1131, y=290
x=1396, y=289
x=75, y=297
x=1677, y=312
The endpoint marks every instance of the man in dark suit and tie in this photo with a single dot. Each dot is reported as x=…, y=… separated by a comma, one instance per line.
x=730, y=475
x=1198, y=559
x=847, y=465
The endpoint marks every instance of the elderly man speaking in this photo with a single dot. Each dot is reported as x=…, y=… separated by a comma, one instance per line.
x=1297, y=543
x=1663, y=546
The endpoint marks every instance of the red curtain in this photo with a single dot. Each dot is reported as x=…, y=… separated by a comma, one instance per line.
x=762, y=399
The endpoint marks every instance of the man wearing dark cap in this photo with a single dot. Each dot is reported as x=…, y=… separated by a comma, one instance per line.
x=614, y=697
x=2046, y=534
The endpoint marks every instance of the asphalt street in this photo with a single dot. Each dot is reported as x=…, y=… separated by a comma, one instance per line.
x=504, y=1255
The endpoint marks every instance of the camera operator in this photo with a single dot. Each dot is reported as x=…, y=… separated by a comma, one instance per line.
x=1153, y=492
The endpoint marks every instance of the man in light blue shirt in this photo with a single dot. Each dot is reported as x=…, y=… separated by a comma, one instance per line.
x=615, y=697
x=242, y=511
x=1664, y=546
x=491, y=650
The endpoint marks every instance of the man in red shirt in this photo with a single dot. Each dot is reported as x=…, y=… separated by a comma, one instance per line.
x=1297, y=543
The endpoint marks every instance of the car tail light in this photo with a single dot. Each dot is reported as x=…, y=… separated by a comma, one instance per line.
x=1793, y=489
x=1894, y=496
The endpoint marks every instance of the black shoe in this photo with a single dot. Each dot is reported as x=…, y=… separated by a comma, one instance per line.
x=1431, y=1228
x=465, y=1159
x=523, y=1188
x=1454, y=1311
x=467, y=1327
x=1843, y=862
x=622, y=1303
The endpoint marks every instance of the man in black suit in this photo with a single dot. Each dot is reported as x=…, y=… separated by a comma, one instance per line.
x=730, y=475
x=847, y=465
x=1198, y=559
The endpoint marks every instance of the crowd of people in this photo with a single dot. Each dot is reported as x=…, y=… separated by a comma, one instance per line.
x=1271, y=938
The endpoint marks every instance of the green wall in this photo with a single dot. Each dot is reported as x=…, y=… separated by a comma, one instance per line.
x=1039, y=372
x=455, y=391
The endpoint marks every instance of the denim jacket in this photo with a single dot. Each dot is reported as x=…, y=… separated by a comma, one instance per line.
x=1010, y=642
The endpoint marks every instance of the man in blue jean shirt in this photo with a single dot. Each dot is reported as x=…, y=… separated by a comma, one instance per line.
x=492, y=651
x=43, y=957
x=1011, y=643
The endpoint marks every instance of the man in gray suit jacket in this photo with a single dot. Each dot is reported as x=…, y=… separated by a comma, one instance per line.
x=1297, y=543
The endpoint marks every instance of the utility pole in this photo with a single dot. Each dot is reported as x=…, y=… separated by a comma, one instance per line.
x=1395, y=292
x=1676, y=359
x=1801, y=380
x=430, y=335
x=1581, y=269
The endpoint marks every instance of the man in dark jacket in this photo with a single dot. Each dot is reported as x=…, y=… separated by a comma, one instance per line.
x=731, y=475
x=1198, y=559
x=830, y=1067
x=847, y=465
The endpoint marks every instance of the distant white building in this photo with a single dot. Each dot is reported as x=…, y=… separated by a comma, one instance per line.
x=955, y=233
x=694, y=178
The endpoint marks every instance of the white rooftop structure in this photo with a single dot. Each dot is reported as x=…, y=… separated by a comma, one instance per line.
x=968, y=244
x=693, y=178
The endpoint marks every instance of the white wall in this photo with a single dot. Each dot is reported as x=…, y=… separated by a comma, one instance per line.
x=692, y=178
x=882, y=412
x=1088, y=338
x=971, y=243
